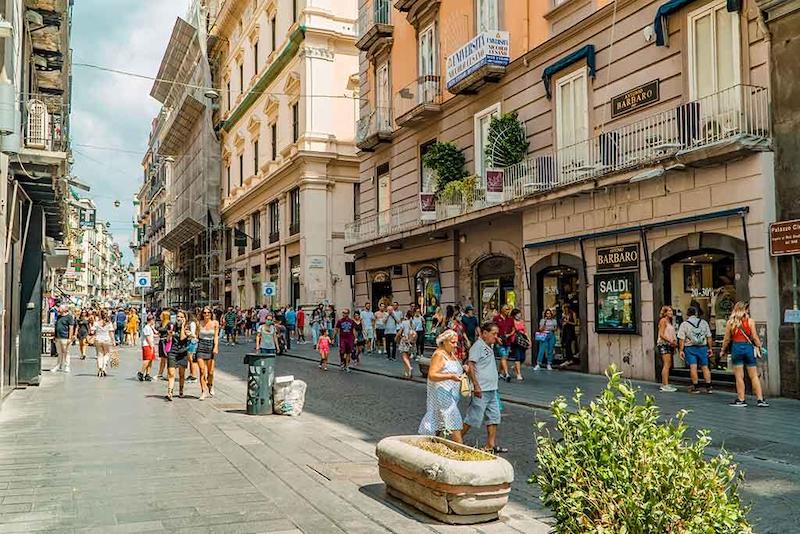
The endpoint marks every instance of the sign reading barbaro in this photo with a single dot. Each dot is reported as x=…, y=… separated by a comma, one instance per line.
x=784, y=238
x=636, y=98
x=618, y=257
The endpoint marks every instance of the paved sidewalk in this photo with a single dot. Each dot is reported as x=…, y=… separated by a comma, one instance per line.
x=766, y=432
x=82, y=454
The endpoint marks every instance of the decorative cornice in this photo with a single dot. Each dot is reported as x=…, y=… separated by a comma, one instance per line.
x=776, y=9
x=313, y=52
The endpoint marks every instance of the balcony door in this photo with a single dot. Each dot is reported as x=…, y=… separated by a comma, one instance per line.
x=382, y=95
x=572, y=125
x=384, y=199
x=428, y=80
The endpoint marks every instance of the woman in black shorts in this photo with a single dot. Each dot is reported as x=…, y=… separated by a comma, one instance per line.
x=176, y=347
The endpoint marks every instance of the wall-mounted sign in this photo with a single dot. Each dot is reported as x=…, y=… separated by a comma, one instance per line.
x=636, y=98
x=486, y=48
x=618, y=257
x=427, y=206
x=791, y=316
x=615, y=302
x=88, y=217
x=316, y=262
x=784, y=238
x=494, y=185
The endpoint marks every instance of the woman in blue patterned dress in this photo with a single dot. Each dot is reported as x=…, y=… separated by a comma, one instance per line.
x=444, y=388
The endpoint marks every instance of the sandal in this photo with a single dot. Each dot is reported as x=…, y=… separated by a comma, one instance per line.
x=169, y=394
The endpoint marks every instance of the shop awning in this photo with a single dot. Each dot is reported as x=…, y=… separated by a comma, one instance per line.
x=587, y=53
x=186, y=230
x=660, y=24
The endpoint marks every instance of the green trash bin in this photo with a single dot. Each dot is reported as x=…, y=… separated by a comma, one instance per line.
x=260, y=378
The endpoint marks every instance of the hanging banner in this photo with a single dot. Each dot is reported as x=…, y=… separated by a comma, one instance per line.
x=494, y=184
x=427, y=206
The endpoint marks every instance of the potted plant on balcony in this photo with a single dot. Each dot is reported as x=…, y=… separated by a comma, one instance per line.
x=446, y=480
x=507, y=143
x=446, y=162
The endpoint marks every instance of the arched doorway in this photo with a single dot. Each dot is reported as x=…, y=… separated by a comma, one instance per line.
x=381, y=289
x=708, y=272
x=495, y=278
x=428, y=294
x=559, y=280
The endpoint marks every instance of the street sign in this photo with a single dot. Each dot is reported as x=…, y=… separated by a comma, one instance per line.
x=784, y=238
x=269, y=289
x=142, y=279
x=791, y=316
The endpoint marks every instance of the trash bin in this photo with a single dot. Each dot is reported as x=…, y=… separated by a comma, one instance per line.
x=260, y=377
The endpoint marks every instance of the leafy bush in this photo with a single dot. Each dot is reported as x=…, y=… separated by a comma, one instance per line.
x=618, y=469
x=447, y=163
x=507, y=143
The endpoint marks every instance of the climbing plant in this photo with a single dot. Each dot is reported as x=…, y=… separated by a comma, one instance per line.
x=507, y=142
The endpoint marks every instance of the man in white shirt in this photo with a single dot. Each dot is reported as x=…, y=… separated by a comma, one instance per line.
x=696, y=346
x=368, y=318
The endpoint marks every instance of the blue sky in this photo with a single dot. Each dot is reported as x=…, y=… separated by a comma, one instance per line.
x=114, y=111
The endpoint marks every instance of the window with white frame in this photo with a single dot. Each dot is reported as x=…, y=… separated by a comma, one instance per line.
x=572, y=119
x=384, y=195
x=481, y=128
x=427, y=49
x=382, y=96
x=714, y=50
x=488, y=15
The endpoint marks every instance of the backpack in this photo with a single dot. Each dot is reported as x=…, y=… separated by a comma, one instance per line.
x=696, y=333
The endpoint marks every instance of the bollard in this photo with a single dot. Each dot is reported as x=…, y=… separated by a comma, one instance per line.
x=260, y=378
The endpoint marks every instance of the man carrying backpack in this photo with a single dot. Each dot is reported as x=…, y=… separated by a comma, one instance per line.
x=696, y=347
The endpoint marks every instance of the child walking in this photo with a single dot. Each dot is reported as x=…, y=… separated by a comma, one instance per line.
x=324, y=347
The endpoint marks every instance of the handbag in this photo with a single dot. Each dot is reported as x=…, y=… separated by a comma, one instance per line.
x=757, y=351
x=522, y=341
x=114, y=360
x=540, y=336
x=466, y=386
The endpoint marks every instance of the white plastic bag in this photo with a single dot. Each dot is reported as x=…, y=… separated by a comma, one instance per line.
x=288, y=396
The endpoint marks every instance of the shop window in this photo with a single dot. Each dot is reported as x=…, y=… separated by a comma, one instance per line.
x=381, y=289
x=496, y=287
x=428, y=294
x=559, y=292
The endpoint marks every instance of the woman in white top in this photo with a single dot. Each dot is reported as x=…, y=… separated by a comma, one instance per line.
x=103, y=341
x=442, y=417
x=406, y=338
x=148, y=350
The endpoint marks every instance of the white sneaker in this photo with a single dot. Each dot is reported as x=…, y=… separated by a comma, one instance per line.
x=211, y=391
x=549, y=367
x=668, y=388
x=66, y=369
x=537, y=368
x=55, y=369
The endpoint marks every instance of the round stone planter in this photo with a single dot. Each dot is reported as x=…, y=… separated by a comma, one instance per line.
x=452, y=491
x=424, y=364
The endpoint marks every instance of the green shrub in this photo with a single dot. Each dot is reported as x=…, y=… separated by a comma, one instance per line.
x=507, y=143
x=617, y=468
x=447, y=163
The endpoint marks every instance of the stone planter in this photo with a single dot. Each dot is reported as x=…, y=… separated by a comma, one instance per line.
x=452, y=491
x=424, y=364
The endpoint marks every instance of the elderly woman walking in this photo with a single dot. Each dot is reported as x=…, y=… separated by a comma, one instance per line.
x=444, y=387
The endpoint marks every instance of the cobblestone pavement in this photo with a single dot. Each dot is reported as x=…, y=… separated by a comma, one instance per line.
x=766, y=442
x=82, y=454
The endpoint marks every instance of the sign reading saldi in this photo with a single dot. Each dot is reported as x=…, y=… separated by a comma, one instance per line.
x=784, y=238
x=618, y=257
x=636, y=98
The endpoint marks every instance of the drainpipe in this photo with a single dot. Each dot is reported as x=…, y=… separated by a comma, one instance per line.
x=526, y=40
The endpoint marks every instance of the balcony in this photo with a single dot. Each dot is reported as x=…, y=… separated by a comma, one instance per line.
x=44, y=125
x=374, y=129
x=482, y=60
x=294, y=228
x=274, y=237
x=418, y=100
x=703, y=132
x=375, y=28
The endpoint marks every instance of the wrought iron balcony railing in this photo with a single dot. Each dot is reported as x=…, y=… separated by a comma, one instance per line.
x=418, y=100
x=374, y=24
x=374, y=128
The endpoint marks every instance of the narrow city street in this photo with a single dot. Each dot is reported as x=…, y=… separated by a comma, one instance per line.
x=82, y=454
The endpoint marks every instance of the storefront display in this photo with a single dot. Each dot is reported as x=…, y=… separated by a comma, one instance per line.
x=496, y=283
x=428, y=290
x=615, y=296
x=558, y=287
x=381, y=290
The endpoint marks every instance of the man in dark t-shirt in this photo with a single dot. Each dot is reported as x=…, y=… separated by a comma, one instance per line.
x=64, y=335
x=470, y=323
x=346, y=330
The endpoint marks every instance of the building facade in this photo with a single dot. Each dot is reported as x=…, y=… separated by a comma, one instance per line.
x=184, y=152
x=782, y=18
x=35, y=161
x=289, y=167
x=617, y=158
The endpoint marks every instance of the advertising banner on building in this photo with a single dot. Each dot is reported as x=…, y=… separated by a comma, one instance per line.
x=784, y=238
x=494, y=184
x=155, y=278
x=486, y=48
x=427, y=206
x=88, y=218
x=615, y=302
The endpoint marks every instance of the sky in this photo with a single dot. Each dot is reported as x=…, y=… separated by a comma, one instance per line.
x=114, y=111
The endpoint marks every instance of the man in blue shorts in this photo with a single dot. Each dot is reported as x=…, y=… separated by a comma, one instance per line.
x=696, y=347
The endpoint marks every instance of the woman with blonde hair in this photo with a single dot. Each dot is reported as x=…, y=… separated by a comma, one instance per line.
x=444, y=388
x=743, y=344
x=666, y=345
x=104, y=331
